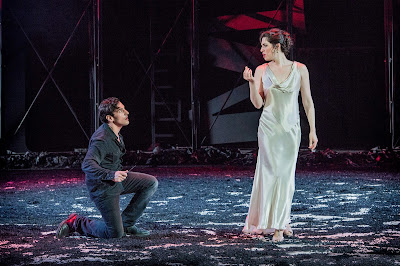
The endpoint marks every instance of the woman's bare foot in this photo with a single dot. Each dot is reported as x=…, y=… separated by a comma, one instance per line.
x=278, y=236
x=288, y=231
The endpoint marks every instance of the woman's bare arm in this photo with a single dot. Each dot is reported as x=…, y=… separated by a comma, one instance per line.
x=255, y=84
x=308, y=105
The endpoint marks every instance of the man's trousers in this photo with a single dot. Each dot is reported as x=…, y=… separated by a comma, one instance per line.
x=113, y=224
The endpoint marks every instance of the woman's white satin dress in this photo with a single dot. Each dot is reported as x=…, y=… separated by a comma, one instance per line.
x=279, y=137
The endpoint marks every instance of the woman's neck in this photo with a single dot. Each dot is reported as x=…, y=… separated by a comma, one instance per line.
x=281, y=60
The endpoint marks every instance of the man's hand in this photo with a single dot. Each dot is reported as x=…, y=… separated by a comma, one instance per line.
x=120, y=176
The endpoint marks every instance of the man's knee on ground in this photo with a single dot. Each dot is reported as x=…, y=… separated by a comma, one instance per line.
x=116, y=233
x=155, y=184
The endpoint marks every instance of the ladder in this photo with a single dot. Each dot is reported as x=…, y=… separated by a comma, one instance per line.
x=166, y=103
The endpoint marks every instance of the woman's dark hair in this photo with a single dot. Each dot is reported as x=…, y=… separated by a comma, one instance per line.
x=275, y=36
x=107, y=107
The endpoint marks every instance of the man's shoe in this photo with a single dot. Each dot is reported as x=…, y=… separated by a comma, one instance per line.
x=66, y=227
x=135, y=231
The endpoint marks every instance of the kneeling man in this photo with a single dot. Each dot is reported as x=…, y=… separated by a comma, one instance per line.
x=106, y=181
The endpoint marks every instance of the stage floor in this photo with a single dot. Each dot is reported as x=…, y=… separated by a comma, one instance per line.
x=196, y=217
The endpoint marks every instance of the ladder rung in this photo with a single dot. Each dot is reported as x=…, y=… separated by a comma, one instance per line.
x=166, y=54
x=167, y=119
x=162, y=103
x=164, y=135
x=165, y=87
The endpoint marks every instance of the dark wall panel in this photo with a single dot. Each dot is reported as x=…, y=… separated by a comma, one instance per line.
x=342, y=45
x=125, y=47
x=344, y=51
x=343, y=48
x=50, y=125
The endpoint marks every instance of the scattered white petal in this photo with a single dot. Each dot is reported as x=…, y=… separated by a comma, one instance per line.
x=48, y=233
x=234, y=193
x=178, y=197
x=205, y=212
x=392, y=223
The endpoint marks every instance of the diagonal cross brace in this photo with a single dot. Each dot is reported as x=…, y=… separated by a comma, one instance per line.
x=49, y=75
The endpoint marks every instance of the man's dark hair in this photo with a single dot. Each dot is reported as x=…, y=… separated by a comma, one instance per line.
x=107, y=107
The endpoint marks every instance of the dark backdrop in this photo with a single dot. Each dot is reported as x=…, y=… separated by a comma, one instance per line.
x=343, y=47
x=49, y=126
x=344, y=51
x=125, y=47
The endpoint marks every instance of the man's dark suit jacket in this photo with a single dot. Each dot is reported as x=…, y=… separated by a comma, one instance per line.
x=102, y=160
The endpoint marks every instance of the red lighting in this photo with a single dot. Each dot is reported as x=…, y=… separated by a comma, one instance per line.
x=247, y=22
x=242, y=22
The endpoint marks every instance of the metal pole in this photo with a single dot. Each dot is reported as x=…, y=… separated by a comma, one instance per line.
x=95, y=68
x=289, y=16
x=389, y=82
x=99, y=58
x=152, y=89
x=195, y=66
x=1, y=69
x=92, y=69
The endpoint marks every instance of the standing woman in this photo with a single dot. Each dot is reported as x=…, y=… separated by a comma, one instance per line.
x=276, y=86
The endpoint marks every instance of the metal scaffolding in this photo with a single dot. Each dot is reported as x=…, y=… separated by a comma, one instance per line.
x=95, y=4
x=389, y=73
x=194, y=69
x=95, y=71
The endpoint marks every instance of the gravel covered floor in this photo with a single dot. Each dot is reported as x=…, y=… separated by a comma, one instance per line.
x=196, y=217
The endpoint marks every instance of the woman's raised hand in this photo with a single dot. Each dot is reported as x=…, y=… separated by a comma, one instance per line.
x=248, y=74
